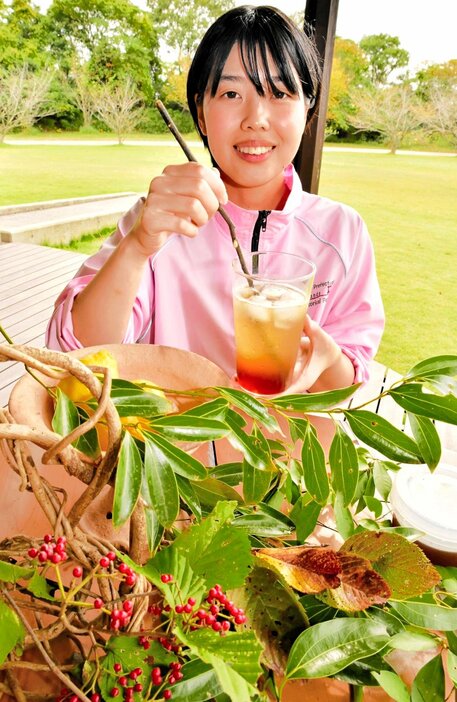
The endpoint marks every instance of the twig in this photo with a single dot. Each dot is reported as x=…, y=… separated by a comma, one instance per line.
x=52, y=666
x=190, y=157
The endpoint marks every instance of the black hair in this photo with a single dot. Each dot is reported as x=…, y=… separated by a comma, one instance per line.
x=258, y=31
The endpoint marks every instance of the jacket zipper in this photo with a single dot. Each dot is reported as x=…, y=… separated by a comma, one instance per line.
x=259, y=226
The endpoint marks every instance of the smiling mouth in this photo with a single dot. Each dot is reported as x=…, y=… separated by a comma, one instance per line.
x=254, y=150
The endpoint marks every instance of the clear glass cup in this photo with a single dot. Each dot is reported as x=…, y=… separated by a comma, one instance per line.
x=270, y=304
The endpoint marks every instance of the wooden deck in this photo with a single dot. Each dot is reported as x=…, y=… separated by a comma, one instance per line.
x=31, y=277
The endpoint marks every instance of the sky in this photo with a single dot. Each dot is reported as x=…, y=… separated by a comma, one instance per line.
x=426, y=29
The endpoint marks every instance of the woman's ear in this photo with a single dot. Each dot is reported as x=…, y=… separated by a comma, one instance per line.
x=200, y=116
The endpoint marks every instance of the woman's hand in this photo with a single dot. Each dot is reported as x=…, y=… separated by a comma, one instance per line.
x=182, y=199
x=321, y=364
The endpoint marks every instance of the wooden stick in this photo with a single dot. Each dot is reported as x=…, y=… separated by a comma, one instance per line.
x=190, y=157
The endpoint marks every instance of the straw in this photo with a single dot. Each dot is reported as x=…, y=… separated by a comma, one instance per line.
x=190, y=157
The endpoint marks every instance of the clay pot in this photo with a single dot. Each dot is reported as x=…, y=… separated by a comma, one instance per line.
x=30, y=404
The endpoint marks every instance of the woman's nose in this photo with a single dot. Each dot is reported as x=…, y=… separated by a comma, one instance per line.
x=256, y=116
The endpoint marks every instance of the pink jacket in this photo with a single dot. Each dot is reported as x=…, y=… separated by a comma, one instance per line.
x=185, y=296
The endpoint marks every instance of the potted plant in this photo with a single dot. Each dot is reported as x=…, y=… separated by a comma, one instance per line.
x=208, y=586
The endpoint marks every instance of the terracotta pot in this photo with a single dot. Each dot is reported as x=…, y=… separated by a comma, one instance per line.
x=30, y=404
x=328, y=690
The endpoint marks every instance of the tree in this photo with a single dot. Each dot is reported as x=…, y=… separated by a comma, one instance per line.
x=181, y=25
x=384, y=56
x=23, y=98
x=83, y=92
x=114, y=37
x=22, y=35
x=440, y=112
x=349, y=72
x=118, y=106
x=392, y=111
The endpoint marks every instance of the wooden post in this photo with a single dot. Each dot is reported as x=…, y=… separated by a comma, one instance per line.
x=320, y=23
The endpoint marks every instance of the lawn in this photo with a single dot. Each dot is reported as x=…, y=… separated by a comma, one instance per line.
x=408, y=202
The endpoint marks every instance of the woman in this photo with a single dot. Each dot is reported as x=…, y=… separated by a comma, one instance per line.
x=164, y=276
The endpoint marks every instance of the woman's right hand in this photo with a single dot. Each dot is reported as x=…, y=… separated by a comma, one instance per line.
x=180, y=200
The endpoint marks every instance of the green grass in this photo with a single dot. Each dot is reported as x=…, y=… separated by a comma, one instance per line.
x=408, y=202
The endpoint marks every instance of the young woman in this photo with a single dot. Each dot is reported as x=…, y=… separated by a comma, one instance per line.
x=164, y=276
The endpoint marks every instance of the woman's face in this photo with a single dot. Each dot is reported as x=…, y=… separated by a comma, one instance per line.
x=252, y=137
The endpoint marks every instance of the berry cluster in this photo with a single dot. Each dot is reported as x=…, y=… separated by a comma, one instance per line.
x=50, y=551
x=127, y=682
x=219, y=615
x=64, y=695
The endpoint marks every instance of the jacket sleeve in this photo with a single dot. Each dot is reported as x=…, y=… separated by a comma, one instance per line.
x=356, y=317
x=60, y=334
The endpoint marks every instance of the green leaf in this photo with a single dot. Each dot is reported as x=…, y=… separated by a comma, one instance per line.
x=314, y=401
x=128, y=480
x=428, y=685
x=427, y=438
x=204, y=543
x=160, y=483
x=12, y=631
x=66, y=416
x=154, y=530
x=189, y=428
x=181, y=462
x=185, y=582
x=255, y=451
x=199, y=684
x=211, y=491
x=452, y=641
x=378, y=433
x=38, y=586
x=11, y=573
x=229, y=473
x=235, y=658
x=343, y=517
x=401, y=563
x=422, y=613
x=382, y=479
x=250, y=406
x=435, y=366
x=328, y=647
x=189, y=496
x=408, y=640
x=314, y=468
x=131, y=401
x=265, y=521
x=214, y=408
x=304, y=515
x=413, y=399
x=255, y=483
x=88, y=442
x=274, y=613
x=344, y=465
x=393, y=685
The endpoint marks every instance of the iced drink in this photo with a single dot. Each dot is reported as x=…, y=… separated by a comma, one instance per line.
x=269, y=317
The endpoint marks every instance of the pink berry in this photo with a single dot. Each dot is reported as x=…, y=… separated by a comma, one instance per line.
x=47, y=538
x=104, y=562
x=111, y=556
x=77, y=571
x=42, y=556
x=123, y=568
x=32, y=552
x=127, y=606
x=98, y=603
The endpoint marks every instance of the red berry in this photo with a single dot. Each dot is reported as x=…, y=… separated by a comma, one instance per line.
x=164, y=578
x=47, y=538
x=123, y=680
x=77, y=571
x=130, y=580
x=179, y=609
x=138, y=671
x=117, y=667
x=127, y=606
x=138, y=687
x=111, y=555
x=32, y=552
x=179, y=675
x=98, y=603
x=216, y=626
x=123, y=568
x=167, y=694
x=56, y=558
x=188, y=608
x=42, y=556
x=171, y=680
x=114, y=692
x=146, y=645
x=74, y=698
x=104, y=562
x=95, y=697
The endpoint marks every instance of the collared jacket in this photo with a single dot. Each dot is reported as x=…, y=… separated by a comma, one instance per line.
x=185, y=299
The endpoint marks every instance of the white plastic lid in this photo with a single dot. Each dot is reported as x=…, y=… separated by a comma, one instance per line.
x=428, y=502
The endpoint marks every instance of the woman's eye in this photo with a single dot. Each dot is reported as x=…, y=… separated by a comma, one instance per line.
x=279, y=95
x=231, y=94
